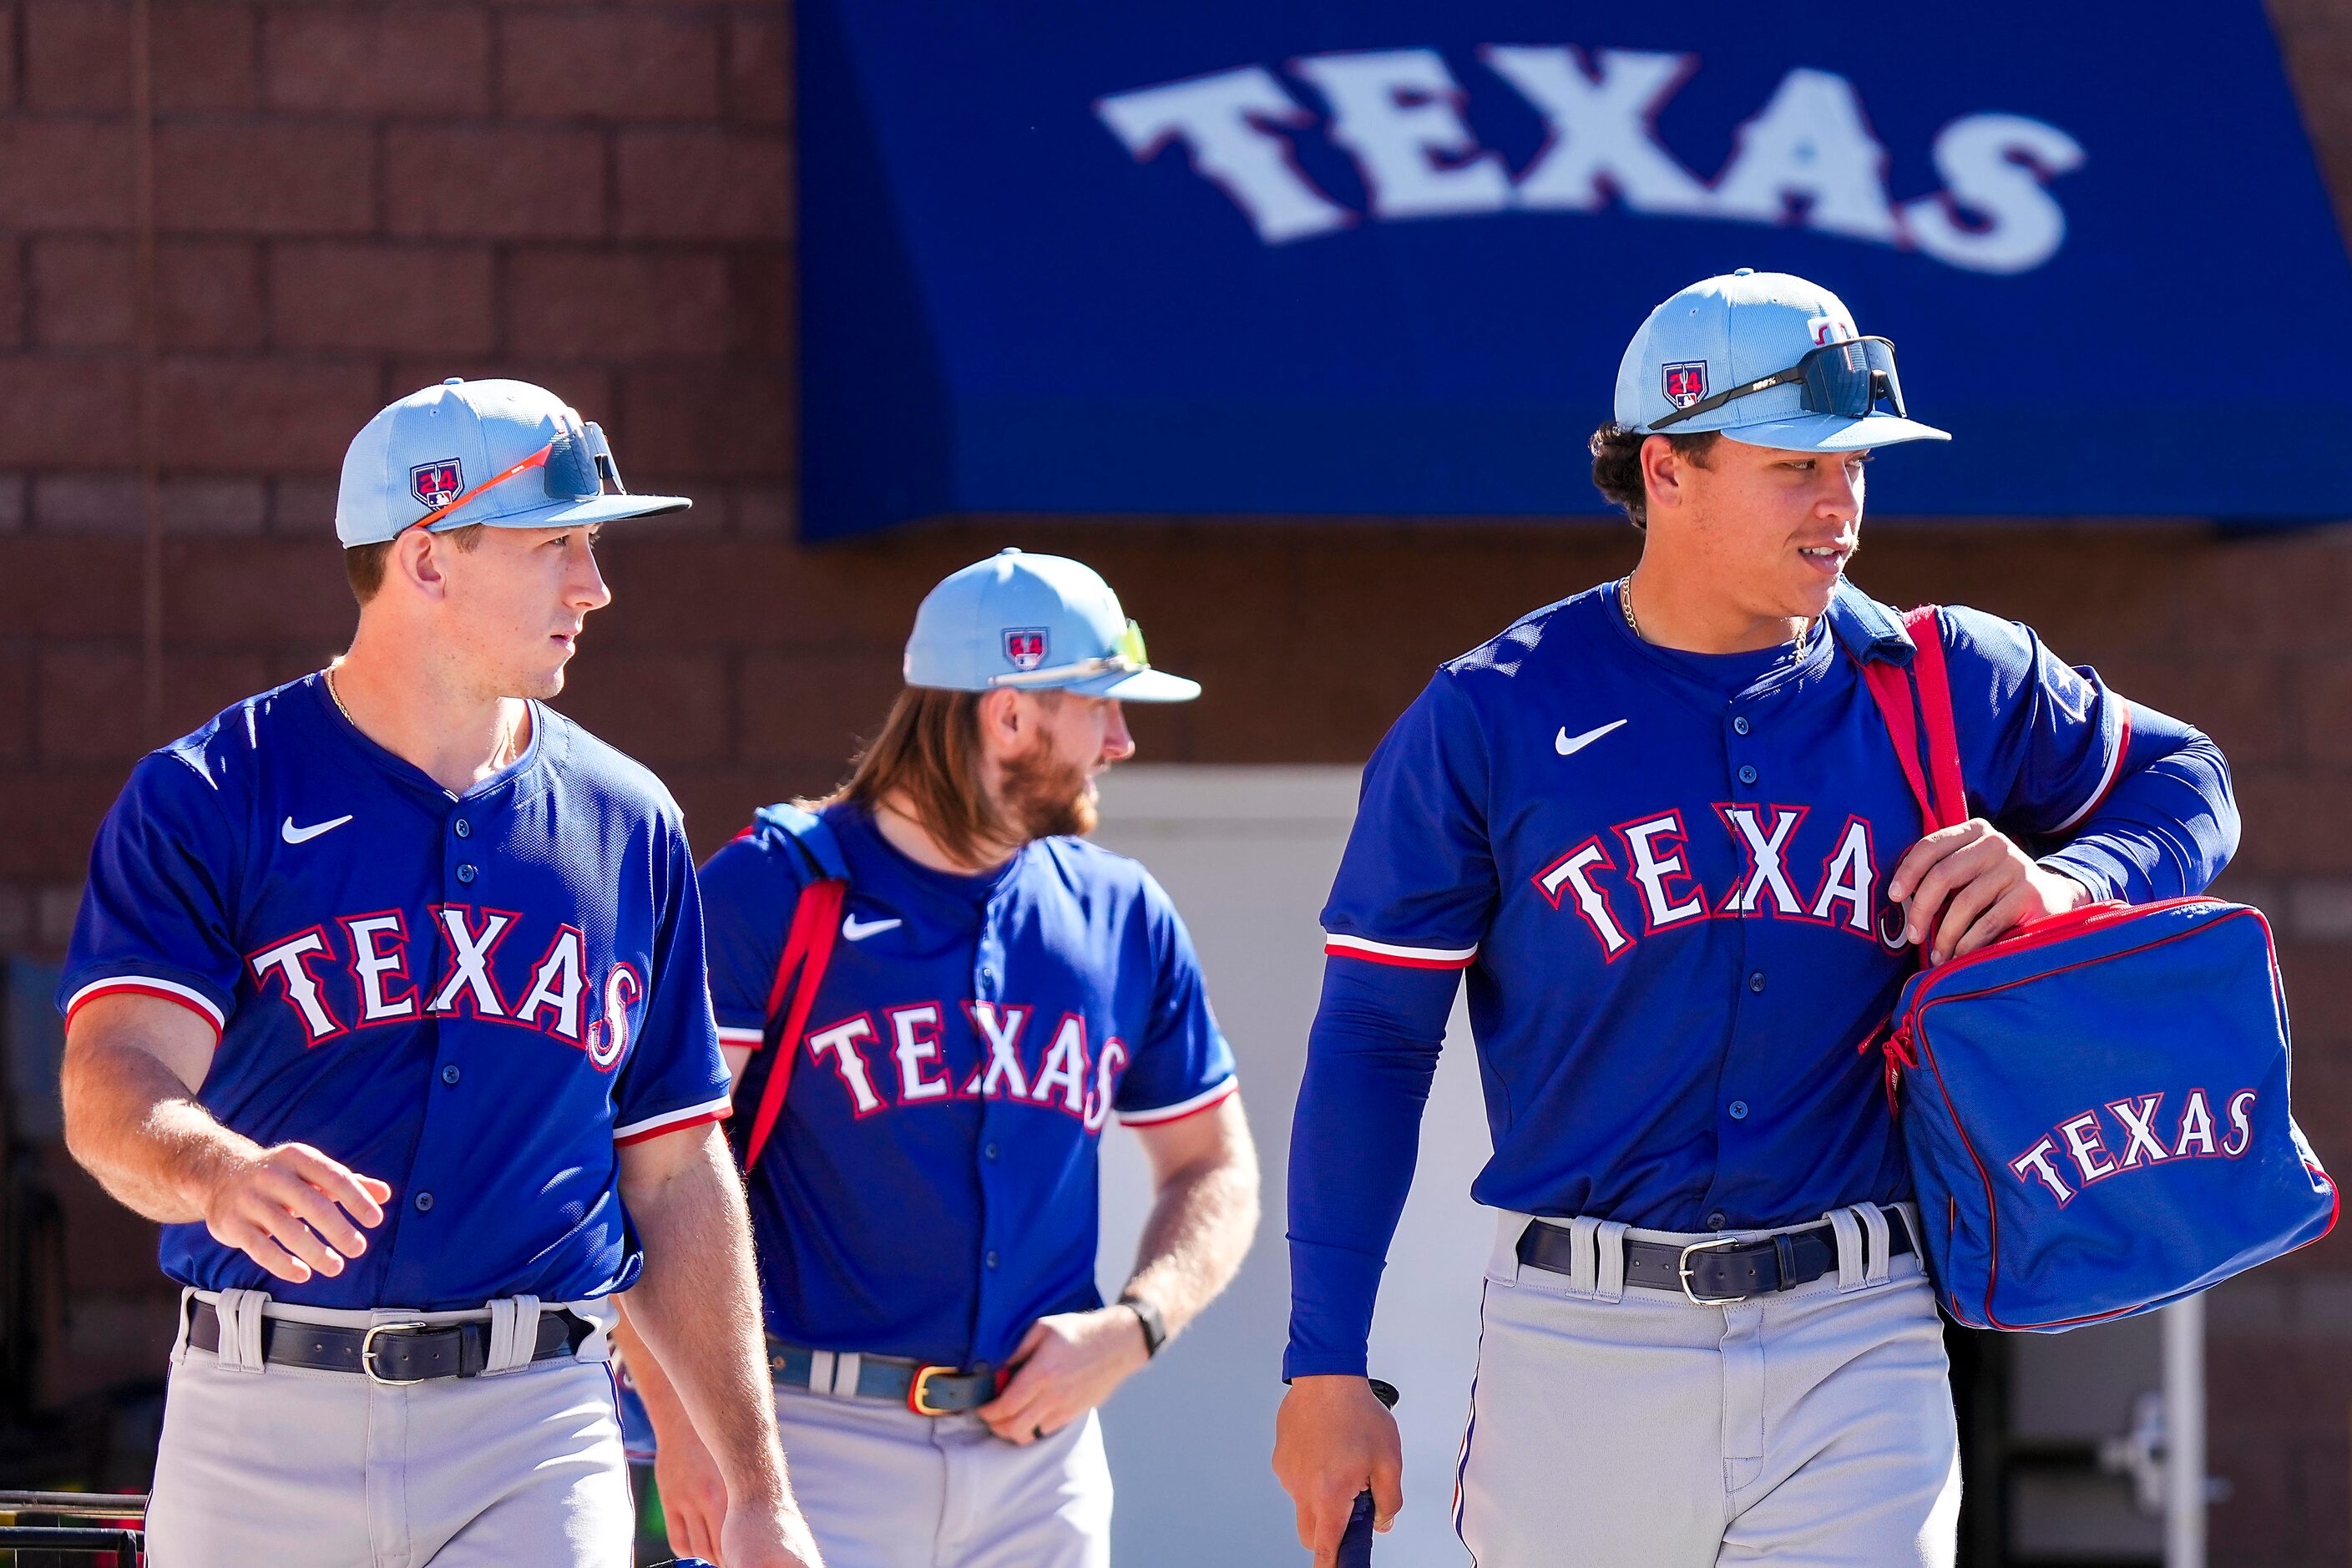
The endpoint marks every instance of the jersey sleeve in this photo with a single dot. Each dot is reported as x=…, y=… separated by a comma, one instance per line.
x=1183, y=1065
x=675, y=1077
x=158, y=914
x=2041, y=741
x=1416, y=886
x=749, y=893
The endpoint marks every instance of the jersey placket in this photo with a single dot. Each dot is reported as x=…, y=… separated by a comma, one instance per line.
x=1740, y=1091
x=994, y=1157
x=469, y=831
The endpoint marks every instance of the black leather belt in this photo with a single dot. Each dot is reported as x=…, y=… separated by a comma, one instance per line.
x=1715, y=1273
x=390, y=1353
x=925, y=1389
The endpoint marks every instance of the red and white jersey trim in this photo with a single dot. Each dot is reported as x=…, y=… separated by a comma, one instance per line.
x=730, y=1037
x=1336, y=945
x=1182, y=1108
x=148, y=985
x=671, y=1120
x=2106, y=780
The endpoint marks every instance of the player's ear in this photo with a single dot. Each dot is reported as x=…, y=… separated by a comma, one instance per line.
x=1665, y=473
x=1003, y=720
x=417, y=557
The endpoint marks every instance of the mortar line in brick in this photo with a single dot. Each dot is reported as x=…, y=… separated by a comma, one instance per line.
x=2297, y=675
x=731, y=663
x=494, y=63
x=610, y=141
x=265, y=284
x=501, y=287
x=380, y=177
x=25, y=318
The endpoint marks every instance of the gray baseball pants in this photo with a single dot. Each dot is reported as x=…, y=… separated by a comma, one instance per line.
x=884, y=1488
x=298, y=1469
x=1612, y=1425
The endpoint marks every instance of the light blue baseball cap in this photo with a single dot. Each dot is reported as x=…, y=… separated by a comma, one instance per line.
x=510, y=453
x=1740, y=344
x=1034, y=622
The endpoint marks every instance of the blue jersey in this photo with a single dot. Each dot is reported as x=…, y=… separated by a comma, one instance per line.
x=1665, y=876
x=930, y=1189
x=472, y=997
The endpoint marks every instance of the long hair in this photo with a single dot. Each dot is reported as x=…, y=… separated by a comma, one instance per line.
x=927, y=755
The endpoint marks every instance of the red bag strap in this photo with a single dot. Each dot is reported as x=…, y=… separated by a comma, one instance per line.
x=808, y=949
x=1916, y=704
x=1935, y=684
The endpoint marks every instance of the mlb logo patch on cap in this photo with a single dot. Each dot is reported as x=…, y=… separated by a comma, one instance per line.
x=1685, y=383
x=1024, y=647
x=434, y=483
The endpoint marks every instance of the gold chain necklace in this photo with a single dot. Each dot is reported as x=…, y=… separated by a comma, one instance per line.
x=508, y=748
x=1625, y=604
x=329, y=673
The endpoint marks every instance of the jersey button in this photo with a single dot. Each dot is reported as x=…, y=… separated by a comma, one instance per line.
x=1755, y=981
x=1718, y=1220
x=990, y=1150
x=1738, y=725
x=466, y=872
x=465, y=830
x=450, y=1074
x=1746, y=776
x=991, y=1260
x=423, y=1202
x=1739, y=1111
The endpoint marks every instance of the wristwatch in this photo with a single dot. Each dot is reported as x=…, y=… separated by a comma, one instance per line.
x=1155, y=1327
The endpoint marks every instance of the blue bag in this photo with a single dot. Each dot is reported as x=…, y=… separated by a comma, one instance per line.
x=2094, y=1108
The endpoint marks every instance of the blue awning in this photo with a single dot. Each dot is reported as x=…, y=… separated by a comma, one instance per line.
x=1258, y=257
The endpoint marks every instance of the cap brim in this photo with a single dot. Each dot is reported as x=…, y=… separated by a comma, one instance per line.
x=1828, y=433
x=573, y=513
x=1143, y=686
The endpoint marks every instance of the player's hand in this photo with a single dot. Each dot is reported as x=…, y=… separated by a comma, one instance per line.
x=292, y=1210
x=765, y=1536
x=1332, y=1439
x=693, y=1493
x=1970, y=884
x=1065, y=1366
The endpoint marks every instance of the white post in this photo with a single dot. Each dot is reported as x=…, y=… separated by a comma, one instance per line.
x=2184, y=1434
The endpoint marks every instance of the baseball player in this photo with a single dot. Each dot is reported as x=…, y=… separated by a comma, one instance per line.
x=1661, y=828
x=386, y=998
x=998, y=989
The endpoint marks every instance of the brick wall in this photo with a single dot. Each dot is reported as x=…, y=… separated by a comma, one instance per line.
x=353, y=200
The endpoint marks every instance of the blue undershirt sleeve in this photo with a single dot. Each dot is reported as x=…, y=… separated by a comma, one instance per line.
x=1353, y=1142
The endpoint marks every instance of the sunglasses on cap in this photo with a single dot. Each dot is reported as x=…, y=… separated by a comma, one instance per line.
x=575, y=466
x=1847, y=379
x=1126, y=658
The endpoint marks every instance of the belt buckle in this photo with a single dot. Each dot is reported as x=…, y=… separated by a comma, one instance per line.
x=367, y=1355
x=1683, y=1268
x=915, y=1391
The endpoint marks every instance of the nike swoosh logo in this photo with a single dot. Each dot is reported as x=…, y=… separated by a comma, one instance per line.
x=293, y=835
x=1568, y=745
x=856, y=929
